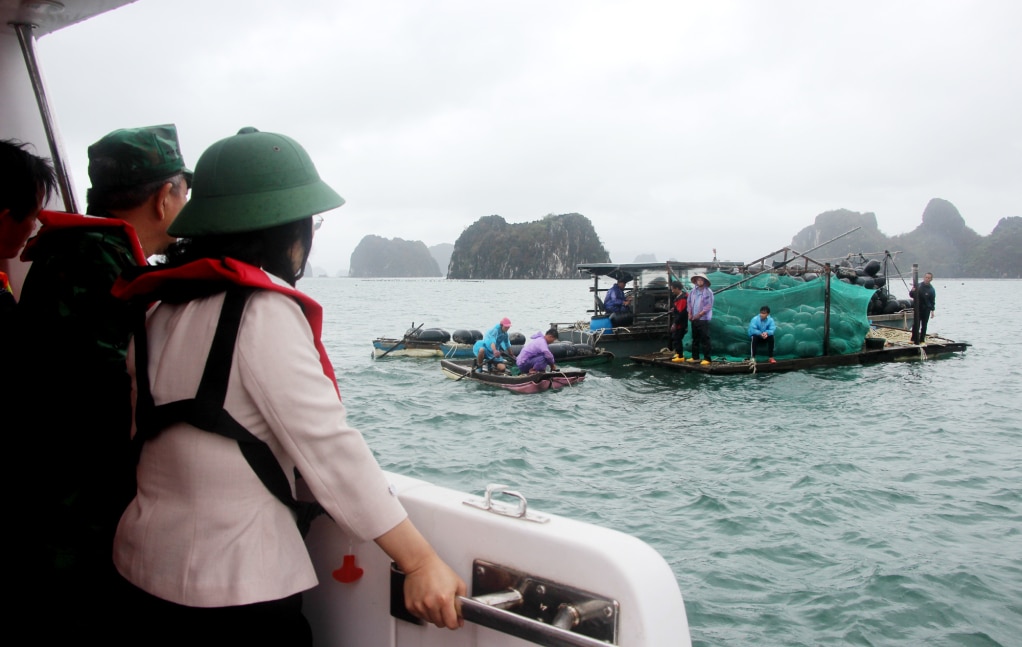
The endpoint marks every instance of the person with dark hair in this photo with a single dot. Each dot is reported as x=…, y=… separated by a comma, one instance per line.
x=26, y=183
x=615, y=301
x=925, y=297
x=535, y=355
x=761, y=331
x=73, y=338
x=679, y=320
x=700, y=313
x=211, y=543
x=139, y=184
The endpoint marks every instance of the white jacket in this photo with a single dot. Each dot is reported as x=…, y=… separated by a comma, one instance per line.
x=203, y=530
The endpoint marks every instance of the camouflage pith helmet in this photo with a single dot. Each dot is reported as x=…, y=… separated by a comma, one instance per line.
x=252, y=181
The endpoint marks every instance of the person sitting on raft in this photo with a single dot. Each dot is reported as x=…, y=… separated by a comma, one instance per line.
x=536, y=356
x=761, y=330
x=491, y=347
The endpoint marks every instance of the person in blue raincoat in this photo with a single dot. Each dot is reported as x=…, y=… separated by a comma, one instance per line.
x=615, y=300
x=493, y=345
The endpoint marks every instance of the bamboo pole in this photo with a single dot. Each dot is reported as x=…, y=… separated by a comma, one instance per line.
x=826, y=314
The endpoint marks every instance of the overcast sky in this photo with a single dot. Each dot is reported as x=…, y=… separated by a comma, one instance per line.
x=676, y=127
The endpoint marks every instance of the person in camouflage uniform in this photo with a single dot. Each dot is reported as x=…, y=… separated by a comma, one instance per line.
x=73, y=339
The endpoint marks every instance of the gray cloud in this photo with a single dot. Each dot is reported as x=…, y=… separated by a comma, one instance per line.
x=675, y=126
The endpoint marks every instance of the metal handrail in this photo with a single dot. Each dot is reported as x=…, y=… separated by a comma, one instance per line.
x=533, y=631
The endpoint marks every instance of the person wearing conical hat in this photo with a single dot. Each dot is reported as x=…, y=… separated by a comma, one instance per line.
x=700, y=313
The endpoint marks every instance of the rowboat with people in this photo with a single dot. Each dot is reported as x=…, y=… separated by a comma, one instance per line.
x=512, y=380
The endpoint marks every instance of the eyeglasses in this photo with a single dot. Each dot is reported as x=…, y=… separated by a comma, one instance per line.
x=317, y=222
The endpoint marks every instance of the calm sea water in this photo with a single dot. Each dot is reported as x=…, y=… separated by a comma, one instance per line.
x=875, y=505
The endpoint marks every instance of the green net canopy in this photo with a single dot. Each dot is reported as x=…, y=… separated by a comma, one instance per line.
x=798, y=310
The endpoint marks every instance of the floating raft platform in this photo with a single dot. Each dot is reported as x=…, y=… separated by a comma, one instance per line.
x=895, y=348
x=389, y=347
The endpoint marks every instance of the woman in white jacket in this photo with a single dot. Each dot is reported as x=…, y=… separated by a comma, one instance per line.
x=211, y=552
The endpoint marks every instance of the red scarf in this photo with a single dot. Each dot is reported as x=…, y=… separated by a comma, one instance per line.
x=208, y=269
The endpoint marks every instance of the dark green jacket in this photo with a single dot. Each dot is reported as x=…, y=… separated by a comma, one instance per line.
x=73, y=387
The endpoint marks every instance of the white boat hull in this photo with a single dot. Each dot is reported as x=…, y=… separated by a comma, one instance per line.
x=603, y=561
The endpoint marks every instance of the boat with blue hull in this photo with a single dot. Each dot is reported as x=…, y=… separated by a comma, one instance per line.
x=390, y=347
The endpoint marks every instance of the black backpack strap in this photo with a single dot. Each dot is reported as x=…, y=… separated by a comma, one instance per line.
x=206, y=410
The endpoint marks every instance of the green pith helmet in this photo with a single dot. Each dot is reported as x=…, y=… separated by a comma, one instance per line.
x=252, y=181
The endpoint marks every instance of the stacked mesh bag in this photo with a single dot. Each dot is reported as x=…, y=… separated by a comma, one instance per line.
x=797, y=307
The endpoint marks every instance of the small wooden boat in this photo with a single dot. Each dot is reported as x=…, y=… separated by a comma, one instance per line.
x=389, y=347
x=533, y=383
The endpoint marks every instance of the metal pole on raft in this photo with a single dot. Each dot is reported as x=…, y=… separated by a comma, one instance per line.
x=826, y=314
x=915, y=303
x=670, y=309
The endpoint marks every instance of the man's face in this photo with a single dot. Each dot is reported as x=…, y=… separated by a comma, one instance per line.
x=13, y=233
x=550, y=339
x=927, y=278
x=173, y=203
x=176, y=200
x=699, y=281
x=764, y=315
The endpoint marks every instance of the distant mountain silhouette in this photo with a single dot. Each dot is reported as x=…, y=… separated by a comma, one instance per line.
x=383, y=257
x=550, y=248
x=942, y=243
x=442, y=254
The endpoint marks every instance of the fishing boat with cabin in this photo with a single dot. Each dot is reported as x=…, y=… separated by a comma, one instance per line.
x=643, y=325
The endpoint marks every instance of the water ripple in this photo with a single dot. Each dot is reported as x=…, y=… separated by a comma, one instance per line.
x=875, y=505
